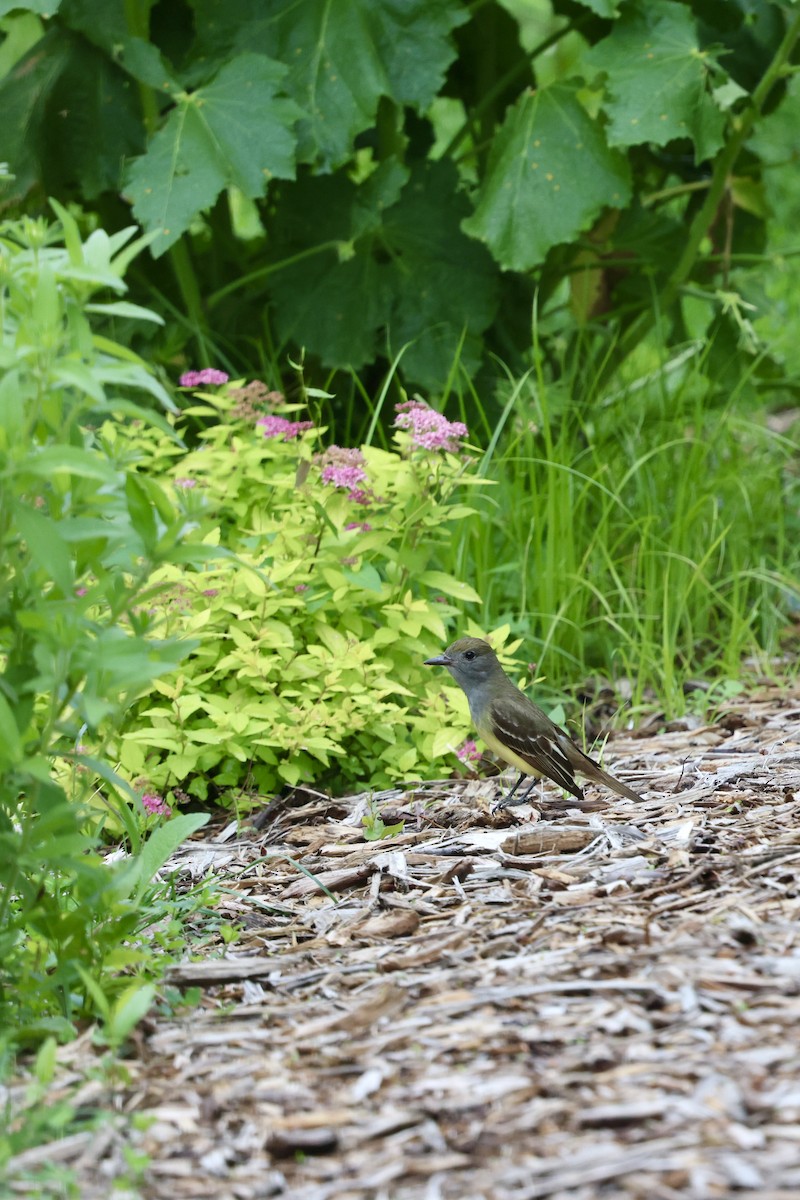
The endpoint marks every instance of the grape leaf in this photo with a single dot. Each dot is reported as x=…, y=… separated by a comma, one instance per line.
x=400, y=264
x=443, y=283
x=342, y=57
x=69, y=119
x=335, y=301
x=93, y=124
x=658, y=79
x=549, y=174
x=24, y=94
x=103, y=22
x=236, y=130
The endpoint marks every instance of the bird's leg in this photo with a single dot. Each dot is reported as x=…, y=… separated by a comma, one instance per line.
x=509, y=801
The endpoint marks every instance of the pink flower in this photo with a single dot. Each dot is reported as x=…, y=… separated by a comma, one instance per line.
x=429, y=429
x=155, y=805
x=359, y=496
x=81, y=591
x=301, y=587
x=469, y=752
x=192, y=379
x=186, y=484
x=342, y=466
x=275, y=426
x=343, y=477
x=363, y=526
x=211, y=591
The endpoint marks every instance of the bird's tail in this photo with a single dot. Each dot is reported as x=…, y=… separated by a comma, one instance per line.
x=581, y=762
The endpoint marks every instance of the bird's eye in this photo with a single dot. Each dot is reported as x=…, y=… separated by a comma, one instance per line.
x=469, y=655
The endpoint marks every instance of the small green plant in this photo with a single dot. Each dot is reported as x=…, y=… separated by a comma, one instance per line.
x=374, y=828
x=309, y=640
x=80, y=538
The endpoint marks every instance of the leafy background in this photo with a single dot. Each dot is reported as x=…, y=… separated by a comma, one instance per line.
x=367, y=179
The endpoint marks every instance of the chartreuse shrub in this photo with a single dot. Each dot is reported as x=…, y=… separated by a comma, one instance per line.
x=80, y=539
x=308, y=644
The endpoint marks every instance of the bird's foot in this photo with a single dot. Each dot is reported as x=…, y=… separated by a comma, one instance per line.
x=512, y=802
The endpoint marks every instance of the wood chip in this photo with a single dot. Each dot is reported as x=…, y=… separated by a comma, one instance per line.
x=600, y=1006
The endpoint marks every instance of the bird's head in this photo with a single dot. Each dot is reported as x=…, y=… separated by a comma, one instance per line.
x=470, y=661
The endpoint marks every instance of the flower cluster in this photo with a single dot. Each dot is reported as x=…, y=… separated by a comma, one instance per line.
x=469, y=752
x=344, y=468
x=253, y=399
x=185, y=485
x=275, y=426
x=155, y=805
x=361, y=526
x=209, y=375
x=428, y=428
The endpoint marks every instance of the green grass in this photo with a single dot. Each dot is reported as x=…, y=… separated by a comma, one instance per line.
x=651, y=534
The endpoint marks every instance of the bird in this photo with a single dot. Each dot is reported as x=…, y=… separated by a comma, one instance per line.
x=515, y=728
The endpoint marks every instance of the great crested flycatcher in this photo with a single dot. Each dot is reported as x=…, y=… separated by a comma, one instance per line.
x=515, y=728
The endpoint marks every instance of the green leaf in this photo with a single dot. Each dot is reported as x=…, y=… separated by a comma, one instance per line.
x=144, y=61
x=10, y=742
x=234, y=131
x=95, y=991
x=658, y=80
x=444, y=285
x=141, y=513
x=438, y=581
x=46, y=1060
x=45, y=546
x=69, y=114
x=400, y=261
x=445, y=741
x=84, y=463
x=550, y=174
x=342, y=58
x=123, y=308
x=163, y=843
x=367, y=577
x=128, y=1010
x=92, y=124
x=79, y=376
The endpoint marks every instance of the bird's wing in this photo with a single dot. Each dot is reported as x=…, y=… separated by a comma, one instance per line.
x=525, y=730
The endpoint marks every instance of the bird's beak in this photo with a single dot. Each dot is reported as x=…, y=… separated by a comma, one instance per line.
x=441, y=660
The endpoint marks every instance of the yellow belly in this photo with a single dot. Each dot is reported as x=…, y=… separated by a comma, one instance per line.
x=507, y=755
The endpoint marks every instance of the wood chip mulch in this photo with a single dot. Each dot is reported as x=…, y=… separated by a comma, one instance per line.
x=543, y=1002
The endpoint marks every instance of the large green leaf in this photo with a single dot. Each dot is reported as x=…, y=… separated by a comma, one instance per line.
x=334, y=307
x=69, y=119
x=342, y=57
x=24, y=94
x=400, y=268
x=45, y=545
x=237, y=130
x=658, y=79
x=550, y=174
x=443, y=283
